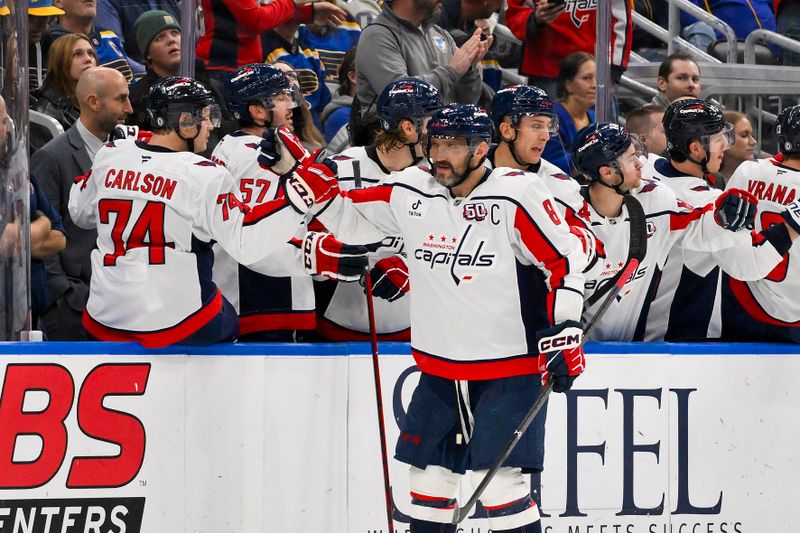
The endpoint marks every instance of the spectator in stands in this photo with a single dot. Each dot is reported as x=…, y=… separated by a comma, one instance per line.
x=331, y=44
x=302, y=120
x=103, y=97
x=743, y=16
x=744, y=144
x=233, y=29
x=336, y=114
x=282, y=44
x=649, y=46
x=120, y=16
x=576, y=89
x=404, y=41
x=678, y=75
x=787, y=17
x=158, y=35
x=79, y=17
x=461, y=18
x=551, y=30
x=39, y=13
x=69, y=57
x=646, y=122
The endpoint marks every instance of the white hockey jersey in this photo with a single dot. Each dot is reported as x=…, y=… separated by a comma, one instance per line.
x=157, y=212
x=487, y=271
x=345, y=317
x=565, y=190
x=687, y=305
x=276, y=293
x=669, y=222
x=772, y=300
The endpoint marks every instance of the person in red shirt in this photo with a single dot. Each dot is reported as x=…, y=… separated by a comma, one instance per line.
x=553, y=29
x=232, y=36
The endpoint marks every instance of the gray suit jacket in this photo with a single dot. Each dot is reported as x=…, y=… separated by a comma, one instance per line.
x=56, y=165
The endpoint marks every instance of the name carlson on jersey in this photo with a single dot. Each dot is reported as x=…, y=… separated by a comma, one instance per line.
x=129, y=180
x=771, y=192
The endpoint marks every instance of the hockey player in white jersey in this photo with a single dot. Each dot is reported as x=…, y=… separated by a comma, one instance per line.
x=766, y=310
x=609, y=158
x=157, y=208
x=481, y=243
x=687, y=306
x=404, y=107
x=274, y=297
x=524, y=121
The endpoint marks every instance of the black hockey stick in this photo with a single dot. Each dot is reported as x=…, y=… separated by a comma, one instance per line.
x=376, y=372
x=636, y=252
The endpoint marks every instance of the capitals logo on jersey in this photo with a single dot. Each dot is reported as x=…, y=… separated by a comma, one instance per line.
x=577, y=10
x=449, y=251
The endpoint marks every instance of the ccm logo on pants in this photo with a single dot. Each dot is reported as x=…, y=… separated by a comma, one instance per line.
x=94, y=420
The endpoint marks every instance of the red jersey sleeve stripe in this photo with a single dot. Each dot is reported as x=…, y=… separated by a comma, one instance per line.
x=679, y=221
x=381, y=193
x=262, y=211
x=544, y=251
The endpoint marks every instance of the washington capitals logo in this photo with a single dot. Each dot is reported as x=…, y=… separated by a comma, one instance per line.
x=578, y=9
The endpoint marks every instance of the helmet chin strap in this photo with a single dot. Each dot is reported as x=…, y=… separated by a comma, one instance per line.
x=617, y=187
x=709, y=176
x=190, y=140
x=512, y=148
x=411, y=146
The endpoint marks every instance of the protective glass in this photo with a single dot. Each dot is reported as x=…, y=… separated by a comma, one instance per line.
x=291, y=97
x=721, y=141
x=212, y=113
x=539, y=124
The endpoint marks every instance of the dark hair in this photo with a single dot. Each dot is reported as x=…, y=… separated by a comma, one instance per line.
x=568, y=69
x=348, y=65
x=665, y=69
x=638, y=120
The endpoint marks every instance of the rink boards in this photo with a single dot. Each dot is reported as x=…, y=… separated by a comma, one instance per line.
x=656, y=438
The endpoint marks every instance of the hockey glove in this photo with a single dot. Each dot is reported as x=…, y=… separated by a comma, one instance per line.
x=324, y=255
x=592, y=246
x=390, y=278
x=561, y=354
x=282, y=151
x=736, y=209
x=792, y=215
x=122, y=131
x=311, y=184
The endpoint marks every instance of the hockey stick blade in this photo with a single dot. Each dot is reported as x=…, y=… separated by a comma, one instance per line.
x=376, y=373
x=636, y=252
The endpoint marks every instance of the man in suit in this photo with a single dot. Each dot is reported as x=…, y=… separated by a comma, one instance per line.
x=103, y=97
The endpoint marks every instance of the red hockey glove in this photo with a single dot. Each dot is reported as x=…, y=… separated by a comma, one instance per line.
x=323, y=255
x=792, y=215
x=390, y=278
x=311, y=184
x=736, y=209
x=561, y=354
x=592, y=246
x=282, y=151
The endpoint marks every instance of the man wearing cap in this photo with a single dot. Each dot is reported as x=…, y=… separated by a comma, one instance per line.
x=4, y=8
x=120, y=16
x=39, y=13
x=158, y=36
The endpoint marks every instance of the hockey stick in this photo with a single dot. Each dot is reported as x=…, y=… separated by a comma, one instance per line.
x=636, y=252
x=376, y=372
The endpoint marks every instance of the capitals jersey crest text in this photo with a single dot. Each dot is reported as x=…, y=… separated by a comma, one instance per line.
x=577, y=10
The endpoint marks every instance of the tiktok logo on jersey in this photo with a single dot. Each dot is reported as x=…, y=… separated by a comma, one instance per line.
x=450, y=251
x=577, y=10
